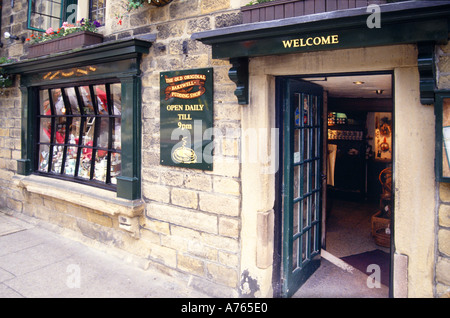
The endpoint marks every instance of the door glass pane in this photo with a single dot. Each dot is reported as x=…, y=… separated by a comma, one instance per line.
x=305, y=146
x=306, y=110
x=295, y=254
x=305, y=213
x=297, y=181
x=312, y=166
x=305, y=241
x=296, y=213
x=297, y=145
x=305, y=177
x=315, y=238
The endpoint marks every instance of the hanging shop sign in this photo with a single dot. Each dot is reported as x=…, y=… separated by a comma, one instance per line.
x=186, y=118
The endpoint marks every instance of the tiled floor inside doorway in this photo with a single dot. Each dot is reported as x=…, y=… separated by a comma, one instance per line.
x=348, y=233
x=349, y=228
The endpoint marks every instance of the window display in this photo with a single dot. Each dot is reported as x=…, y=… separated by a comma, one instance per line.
x=80, y=132
x=383, y=136
x=443, y=136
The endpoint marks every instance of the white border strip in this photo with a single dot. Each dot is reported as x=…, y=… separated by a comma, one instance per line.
x=337, y=261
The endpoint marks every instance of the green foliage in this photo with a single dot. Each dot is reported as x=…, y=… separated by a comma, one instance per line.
x=257, y=2
x=6, y=80
x=135, y=4
x=66, y=29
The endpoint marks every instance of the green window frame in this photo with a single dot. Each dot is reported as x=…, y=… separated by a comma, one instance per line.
x=43, y=14
x=117, y=61
x=442, y=113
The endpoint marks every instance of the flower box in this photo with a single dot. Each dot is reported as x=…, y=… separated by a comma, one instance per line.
x=68, y=42
x=281, y=9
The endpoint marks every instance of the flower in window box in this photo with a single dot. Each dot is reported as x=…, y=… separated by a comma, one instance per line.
x=64, y=30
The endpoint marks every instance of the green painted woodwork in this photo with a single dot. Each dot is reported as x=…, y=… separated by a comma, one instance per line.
x=115, y=59
x=400, y=23
x=128, y=184
x=441, y=164
x=302, y=186
x=427, y=72
x=413, y=22
x=239, y=75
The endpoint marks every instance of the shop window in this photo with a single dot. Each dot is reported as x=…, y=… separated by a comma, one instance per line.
x=442, y=111
x=80, y=133
x=97, y=10
x=81, y=112
x=45, y=14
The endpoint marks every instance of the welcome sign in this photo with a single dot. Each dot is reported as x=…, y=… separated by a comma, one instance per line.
x=186, y=114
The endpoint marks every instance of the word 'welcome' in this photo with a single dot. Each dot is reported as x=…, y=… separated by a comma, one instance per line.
x=311, y=41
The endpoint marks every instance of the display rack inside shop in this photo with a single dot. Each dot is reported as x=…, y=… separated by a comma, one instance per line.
x=347, y=133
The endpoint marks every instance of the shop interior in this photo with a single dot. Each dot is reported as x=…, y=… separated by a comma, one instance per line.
x=359, y=167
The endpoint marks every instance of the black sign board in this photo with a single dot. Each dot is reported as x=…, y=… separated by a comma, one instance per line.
x=187, y=118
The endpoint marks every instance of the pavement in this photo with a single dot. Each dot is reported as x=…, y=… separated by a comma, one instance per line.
x=37, y=261
x=41, y=260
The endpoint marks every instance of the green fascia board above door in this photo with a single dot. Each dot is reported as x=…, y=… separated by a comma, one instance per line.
x=410, y=22
x=403, y=22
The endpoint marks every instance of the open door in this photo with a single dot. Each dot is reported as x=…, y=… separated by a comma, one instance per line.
x=302, y=182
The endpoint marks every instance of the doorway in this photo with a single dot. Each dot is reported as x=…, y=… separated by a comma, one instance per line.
x=356, y=202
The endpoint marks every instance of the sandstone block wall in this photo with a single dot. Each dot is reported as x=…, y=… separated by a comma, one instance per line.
x=190, y=224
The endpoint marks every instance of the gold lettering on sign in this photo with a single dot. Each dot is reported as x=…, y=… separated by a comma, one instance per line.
x=311, y=41
x=179, y=89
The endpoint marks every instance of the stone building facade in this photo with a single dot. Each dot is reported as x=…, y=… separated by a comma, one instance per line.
x=442, y=241
x=215, y=229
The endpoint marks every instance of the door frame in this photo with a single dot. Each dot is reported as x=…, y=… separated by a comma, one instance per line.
x=279, y=176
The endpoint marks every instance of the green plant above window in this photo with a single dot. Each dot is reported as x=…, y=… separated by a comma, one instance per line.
x=6, y=80
x=257, y=2
x=135, y=4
